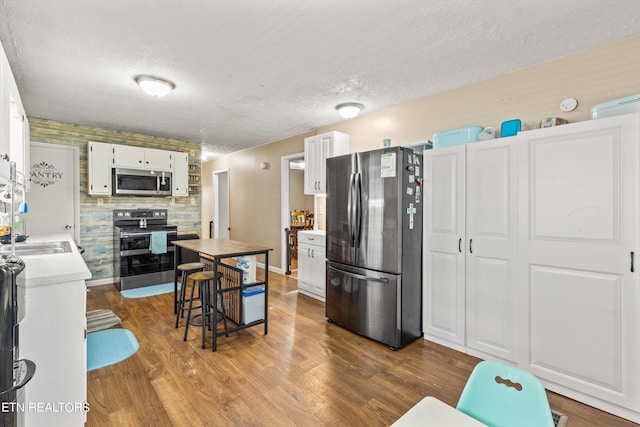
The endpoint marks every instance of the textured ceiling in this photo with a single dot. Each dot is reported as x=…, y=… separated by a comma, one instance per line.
x=249, y=72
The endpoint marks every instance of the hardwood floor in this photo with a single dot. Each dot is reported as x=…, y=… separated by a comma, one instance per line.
x=305, y=372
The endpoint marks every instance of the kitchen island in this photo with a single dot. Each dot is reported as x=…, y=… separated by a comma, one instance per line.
x=52, y=298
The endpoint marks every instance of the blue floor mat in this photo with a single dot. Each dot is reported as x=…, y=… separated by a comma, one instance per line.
x=109, y=347
x=147, y=291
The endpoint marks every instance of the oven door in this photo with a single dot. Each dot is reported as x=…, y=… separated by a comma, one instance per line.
x=136, y=257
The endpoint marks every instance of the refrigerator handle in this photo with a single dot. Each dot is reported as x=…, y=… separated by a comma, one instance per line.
x=350, y=209
x=360, y=276
x=358, y=208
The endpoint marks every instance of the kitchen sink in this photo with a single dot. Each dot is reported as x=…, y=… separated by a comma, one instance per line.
x=42, y=248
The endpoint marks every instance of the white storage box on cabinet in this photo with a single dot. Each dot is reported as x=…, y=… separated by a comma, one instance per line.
x=311, y=263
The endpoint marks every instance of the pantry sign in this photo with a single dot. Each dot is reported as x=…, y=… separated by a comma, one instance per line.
x=45, y=174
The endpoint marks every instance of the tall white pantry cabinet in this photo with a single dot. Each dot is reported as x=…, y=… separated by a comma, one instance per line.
x=531, y=256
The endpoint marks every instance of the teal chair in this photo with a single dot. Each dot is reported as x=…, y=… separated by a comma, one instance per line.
x=503, y=396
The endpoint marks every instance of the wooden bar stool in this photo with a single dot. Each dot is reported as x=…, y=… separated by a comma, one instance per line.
x=203, y=280
x=186, y=270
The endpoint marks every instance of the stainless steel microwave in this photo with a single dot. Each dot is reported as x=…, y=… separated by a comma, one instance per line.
x=134, y=182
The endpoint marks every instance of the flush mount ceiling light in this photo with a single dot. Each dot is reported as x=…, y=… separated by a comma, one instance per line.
x=154, y=86
x=349, y=110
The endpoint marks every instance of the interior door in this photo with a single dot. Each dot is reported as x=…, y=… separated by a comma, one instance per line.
x=222, y=228
x=54, y=183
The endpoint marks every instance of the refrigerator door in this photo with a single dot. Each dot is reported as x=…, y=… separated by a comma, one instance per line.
x=367, y=198
x=339, y=223
x=365, y=302
x=378, y=222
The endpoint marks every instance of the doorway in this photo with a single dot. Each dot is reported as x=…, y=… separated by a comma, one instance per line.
x=221, y=226
x=292, y=199
x=54, y=174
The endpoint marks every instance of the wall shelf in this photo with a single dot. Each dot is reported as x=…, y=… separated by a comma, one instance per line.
x=194, y=178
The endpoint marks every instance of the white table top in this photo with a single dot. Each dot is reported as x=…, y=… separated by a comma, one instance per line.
x=435, y=413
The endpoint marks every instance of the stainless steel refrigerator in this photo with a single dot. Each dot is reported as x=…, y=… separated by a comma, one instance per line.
x=374, y=244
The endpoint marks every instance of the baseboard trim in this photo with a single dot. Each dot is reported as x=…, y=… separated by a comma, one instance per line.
x=100, y=282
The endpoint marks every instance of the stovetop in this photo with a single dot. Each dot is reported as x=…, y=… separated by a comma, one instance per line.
x=148, y=229
x=141, y=220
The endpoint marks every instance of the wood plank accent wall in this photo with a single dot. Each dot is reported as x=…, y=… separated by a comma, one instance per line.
x=96, y=223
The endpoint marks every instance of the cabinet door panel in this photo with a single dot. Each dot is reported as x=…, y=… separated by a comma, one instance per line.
x=491, y=266
x=311, y=171
x=575, y=188
x=158, y=159
x=444, y=246
x=304, y=267
x=180, y=174
x=100, y=161
x=318, y=271
x=443, y=317
x=580, y=313
x=125, y=156
x=580, y=200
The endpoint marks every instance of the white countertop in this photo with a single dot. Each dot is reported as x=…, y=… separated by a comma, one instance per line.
x=321, y=233
x=42, y=270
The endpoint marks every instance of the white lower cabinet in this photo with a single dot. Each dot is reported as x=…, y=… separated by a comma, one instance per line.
x=311, y=264
x=53, y=336
x=531, y=256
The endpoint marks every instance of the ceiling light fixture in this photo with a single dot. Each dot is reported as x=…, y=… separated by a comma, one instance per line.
x=154, y=86
x=349, y=110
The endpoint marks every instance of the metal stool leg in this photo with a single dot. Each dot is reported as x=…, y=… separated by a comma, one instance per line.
x=180, y=303
x=224, y=310
x=204, y=284
x=186, y=326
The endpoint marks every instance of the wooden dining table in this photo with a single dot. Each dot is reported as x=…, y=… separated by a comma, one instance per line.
x=217, y=250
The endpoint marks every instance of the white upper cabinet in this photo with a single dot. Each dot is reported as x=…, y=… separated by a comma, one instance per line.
x=317, y=149
x=161, y=160
x=126, y=156
x=14, y=126
x=180, y=175
x=100, y=157
x=104, y=157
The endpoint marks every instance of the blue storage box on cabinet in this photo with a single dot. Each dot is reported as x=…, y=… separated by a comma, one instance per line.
x=252, y=304
x=449, y=138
